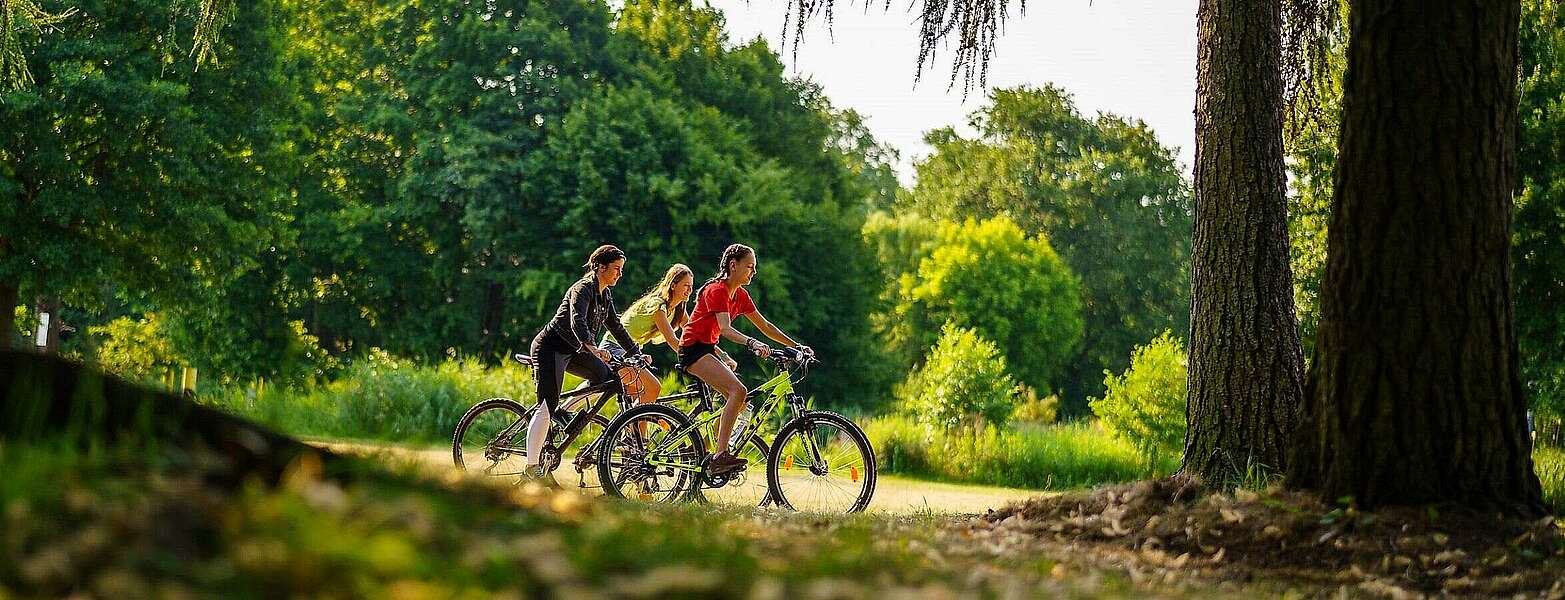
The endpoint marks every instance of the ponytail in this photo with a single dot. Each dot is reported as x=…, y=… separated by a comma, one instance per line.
x=730, y=254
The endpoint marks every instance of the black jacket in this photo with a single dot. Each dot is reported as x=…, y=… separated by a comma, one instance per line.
x=584, y=312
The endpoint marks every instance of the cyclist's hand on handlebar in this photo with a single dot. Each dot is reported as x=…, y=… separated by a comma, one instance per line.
x=760, y=348
x=602, y=354
x=646, y=360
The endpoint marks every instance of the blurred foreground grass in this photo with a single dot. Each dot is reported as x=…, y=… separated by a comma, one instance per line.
x=116, y=522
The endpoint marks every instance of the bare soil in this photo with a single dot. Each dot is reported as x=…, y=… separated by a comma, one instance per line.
x=1175, y=530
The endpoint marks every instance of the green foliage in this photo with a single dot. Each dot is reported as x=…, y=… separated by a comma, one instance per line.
x=1538, y=231
x=1004, y=285
x=1311, y=149
x=129, y=179
x=136, y=349
x=1106, y=194
x=1145, y=405
x=1061, y=456
x=963, y=384
x=381, y=398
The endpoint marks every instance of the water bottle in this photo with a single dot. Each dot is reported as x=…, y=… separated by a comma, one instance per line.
x=739, y=425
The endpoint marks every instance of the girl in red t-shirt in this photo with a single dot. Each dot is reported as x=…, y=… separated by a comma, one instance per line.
x=721, y=300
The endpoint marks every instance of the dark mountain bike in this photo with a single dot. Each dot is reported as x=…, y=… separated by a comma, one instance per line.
x=819, y=461
x=491, y=439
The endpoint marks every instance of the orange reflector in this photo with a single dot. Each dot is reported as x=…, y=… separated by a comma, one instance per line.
x=788, y=464
x=854, y=473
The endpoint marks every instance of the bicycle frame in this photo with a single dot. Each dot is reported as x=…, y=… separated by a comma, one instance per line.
x=778, y=389
x=612, y=388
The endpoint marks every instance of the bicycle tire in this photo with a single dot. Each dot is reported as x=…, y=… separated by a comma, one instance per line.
x=472, y=415
x=683, y=482
x=779, y=462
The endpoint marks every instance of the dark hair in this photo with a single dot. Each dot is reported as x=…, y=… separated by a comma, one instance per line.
x=730, y=254
x=604, y=255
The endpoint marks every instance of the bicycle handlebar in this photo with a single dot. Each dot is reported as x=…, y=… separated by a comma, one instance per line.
x=785, y=357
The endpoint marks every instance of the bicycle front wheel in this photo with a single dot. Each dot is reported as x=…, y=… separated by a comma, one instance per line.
x=821, y=462
x=650, y=453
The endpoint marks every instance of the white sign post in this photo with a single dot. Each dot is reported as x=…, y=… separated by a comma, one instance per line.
x=43, y=330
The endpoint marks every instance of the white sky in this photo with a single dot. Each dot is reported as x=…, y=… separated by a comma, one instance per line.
x=1135, y=58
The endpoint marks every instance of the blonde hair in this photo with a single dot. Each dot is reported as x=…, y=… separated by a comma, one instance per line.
x=663, y=294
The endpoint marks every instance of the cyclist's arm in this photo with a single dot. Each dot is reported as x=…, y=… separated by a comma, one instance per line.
x=575, y=331
x=726, y=326
x=769, y=329
x=660, y=318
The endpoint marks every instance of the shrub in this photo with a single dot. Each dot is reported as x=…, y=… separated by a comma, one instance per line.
x=1012, y=289
x=1034, y=410
x=1146, y=405
x=136, y=349
x=963, y=381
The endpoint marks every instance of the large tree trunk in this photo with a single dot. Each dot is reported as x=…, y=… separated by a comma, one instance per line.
x=1415, y=396
x=1246, y=365
x=7, y=314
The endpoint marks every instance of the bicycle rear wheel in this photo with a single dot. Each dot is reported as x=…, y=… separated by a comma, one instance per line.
x=821, y=462
x=639, y=460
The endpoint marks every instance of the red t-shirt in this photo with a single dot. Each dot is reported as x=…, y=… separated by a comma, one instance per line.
x=703, y=328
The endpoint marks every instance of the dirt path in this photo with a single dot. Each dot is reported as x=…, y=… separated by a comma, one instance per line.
x=893, y=495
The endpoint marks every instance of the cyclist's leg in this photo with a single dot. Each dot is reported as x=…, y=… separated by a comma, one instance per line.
x=716, y=374
x=588, y=366
x=548, y=374
x=642, y=384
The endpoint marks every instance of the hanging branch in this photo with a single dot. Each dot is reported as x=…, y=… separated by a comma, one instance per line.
x=975, y=25
x=20, y=20
x=1310, y=31
x=210, y=21
x=1310, y=28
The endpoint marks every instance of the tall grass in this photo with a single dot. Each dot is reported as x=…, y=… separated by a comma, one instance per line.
x=1059, y=456
x=382, y=399
x=1550, y=466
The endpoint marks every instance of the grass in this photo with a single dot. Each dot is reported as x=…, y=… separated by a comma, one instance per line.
x=1549, y=463
x=1067, y=455
x=382, y=400
x=122, y=523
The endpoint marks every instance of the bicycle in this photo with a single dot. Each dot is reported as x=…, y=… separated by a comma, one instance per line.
x=494, y=431
x=820, y=460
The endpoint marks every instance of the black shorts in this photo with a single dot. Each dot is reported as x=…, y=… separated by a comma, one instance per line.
x=688, y=355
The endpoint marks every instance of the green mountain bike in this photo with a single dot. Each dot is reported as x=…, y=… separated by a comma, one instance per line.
x=820, y=460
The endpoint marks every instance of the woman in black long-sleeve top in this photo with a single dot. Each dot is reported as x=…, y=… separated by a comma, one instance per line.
x=566, y=343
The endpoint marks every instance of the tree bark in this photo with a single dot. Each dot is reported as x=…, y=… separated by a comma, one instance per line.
x=1246, y=364
x=1415, y=395
x=7, y=314
x=492, y=320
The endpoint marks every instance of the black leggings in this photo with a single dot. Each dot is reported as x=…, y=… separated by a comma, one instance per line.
x=554, y=359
